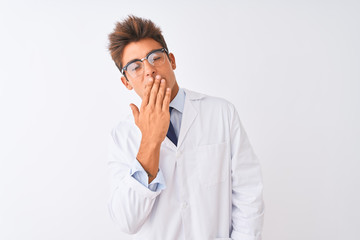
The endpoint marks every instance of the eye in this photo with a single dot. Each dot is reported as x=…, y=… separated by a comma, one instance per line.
x=156, y=58
x=134, y=67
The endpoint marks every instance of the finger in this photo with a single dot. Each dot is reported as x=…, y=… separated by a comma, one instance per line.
x=154, y=91
x=166, y=102
x=161, y=94
x=145, y=99
x=135, y=111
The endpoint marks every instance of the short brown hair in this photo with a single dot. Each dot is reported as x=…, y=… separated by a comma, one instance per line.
x=132, y=29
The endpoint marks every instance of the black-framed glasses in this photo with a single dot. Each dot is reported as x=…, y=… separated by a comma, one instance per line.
x=135, y=67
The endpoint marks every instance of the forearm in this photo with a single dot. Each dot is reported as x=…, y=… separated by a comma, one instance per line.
x=148, y=156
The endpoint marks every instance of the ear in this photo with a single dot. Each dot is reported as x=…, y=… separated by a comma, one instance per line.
x=126, y=83
x=172, y=61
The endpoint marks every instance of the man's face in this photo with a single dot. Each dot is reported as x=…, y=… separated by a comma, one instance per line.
x=139, y=50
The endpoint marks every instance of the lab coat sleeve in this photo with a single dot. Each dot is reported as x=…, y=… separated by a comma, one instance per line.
x=130, y=202
x=247, y=201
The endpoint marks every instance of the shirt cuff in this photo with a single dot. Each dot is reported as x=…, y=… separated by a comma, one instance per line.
x=138, y=172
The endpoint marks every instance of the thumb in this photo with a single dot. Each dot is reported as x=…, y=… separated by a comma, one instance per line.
x=135, y=111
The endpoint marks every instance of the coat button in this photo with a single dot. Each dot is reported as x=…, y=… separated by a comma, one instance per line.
x=184, y=205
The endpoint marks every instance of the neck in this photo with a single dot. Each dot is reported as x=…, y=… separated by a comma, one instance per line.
x=174, y=91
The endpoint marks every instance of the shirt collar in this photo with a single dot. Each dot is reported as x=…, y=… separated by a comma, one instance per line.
x=178, y=101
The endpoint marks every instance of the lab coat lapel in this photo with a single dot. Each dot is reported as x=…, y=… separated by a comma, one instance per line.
x=189, y=114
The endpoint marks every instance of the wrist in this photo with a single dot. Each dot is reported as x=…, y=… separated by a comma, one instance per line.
x=149, y=144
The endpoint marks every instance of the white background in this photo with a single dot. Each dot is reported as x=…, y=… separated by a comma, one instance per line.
x=290, y=67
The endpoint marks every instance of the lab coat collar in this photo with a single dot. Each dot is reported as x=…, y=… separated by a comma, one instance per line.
x=190, y=95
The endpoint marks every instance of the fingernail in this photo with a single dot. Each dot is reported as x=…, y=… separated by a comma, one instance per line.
x=158, y=77
x=162, y=80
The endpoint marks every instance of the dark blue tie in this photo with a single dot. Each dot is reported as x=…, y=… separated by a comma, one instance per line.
x=171, y=132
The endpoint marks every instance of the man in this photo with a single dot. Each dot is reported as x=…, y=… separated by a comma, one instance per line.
x=188, y=174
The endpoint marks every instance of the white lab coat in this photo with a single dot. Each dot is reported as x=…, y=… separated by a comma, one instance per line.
x=213, y=178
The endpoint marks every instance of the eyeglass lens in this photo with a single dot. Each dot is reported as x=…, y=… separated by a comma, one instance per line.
x=136, y=68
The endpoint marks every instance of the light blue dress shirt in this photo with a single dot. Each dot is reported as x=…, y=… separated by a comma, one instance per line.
x=137, y=171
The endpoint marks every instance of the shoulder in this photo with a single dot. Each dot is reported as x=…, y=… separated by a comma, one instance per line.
x=209, y=102
x=125, y=129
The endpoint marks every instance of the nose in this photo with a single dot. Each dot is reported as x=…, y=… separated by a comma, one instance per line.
x=149, y=69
